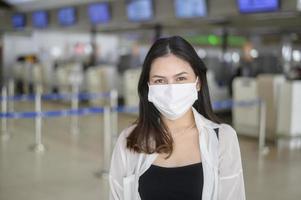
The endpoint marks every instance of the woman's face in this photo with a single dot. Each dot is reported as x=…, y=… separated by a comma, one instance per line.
x=171, y=70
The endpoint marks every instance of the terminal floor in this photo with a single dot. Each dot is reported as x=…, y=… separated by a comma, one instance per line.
x=67, y=169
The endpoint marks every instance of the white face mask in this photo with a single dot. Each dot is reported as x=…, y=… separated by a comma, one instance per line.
x=173, y=100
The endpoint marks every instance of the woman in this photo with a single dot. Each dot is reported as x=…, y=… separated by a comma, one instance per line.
x=176, y=149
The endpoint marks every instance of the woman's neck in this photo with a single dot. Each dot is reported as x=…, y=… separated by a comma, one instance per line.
x=179, y=124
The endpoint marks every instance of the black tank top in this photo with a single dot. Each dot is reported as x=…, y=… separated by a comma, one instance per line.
x=172, y=183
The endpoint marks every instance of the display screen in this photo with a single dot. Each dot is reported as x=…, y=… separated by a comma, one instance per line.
x=99, y=13
x=40, y=19
x=250, y=6
x=18, y=20
x=66, y=16
x=139, y=10
x=190, y=8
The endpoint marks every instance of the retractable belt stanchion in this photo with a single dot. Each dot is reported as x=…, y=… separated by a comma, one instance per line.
x=262, y=148
x=75, y=106
x=114, y=116
x=38, y=146
x=11, y=104
x=5, y=135
x=106, y=156
x=75, y=79
x=11, y=92
x=107, y=140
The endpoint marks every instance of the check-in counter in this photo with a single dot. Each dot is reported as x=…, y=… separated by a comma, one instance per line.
x=64, y=75
x=245, y=118
x=289, y=115
x=130, y=80
x=269, y=90
x=265, y=87
x=100, y=79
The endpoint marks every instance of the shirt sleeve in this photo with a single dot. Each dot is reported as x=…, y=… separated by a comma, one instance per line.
x=117, y=169
x=231, y=180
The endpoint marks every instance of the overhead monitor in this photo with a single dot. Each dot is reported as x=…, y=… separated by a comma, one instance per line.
x=190, y=8
x=139, y=10
x=99, y=13
x=67, y=16
x=40, y=19
x=18, y=20
x=253, y=6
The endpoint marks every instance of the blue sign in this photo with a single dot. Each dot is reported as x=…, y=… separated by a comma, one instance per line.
x=190, y=8
x=40, y=19
x=99, y=13
x=250, y=6
x=66, y=16
x=18, y=20
x=139, y=10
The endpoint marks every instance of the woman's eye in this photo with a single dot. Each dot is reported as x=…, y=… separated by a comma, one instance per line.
x=181, y=79
x=159, y=81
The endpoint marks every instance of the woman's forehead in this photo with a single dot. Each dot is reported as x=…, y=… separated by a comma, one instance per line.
x=169, y=66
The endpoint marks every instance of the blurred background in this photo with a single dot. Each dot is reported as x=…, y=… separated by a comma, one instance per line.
x=69, y=71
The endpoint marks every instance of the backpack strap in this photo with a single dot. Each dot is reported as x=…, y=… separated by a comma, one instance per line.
x=216, y=131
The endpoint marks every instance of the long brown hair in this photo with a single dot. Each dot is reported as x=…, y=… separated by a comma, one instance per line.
x=150, y=134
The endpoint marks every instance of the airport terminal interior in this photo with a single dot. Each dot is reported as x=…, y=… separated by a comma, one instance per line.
x=69, y=72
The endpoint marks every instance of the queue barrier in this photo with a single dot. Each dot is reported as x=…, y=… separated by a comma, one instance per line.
x=228, y=104
x=110, y=116
x=65, y=112
x=55, y=96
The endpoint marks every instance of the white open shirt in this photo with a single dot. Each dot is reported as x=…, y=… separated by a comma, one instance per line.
x=221, y=161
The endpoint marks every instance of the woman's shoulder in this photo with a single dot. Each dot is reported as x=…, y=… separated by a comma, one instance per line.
x=227, y=133
x=228, y=139
x=121, y=147
x=224, y=127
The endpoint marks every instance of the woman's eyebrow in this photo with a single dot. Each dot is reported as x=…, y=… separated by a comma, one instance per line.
x=157, y=76
x=182, y=73
x=179, y=74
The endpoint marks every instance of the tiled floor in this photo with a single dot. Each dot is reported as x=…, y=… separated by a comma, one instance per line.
x=66, y=171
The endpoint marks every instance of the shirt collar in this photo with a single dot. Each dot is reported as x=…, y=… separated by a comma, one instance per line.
x=203, y=121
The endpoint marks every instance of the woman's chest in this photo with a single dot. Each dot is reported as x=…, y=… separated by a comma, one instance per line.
x=186, y=150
